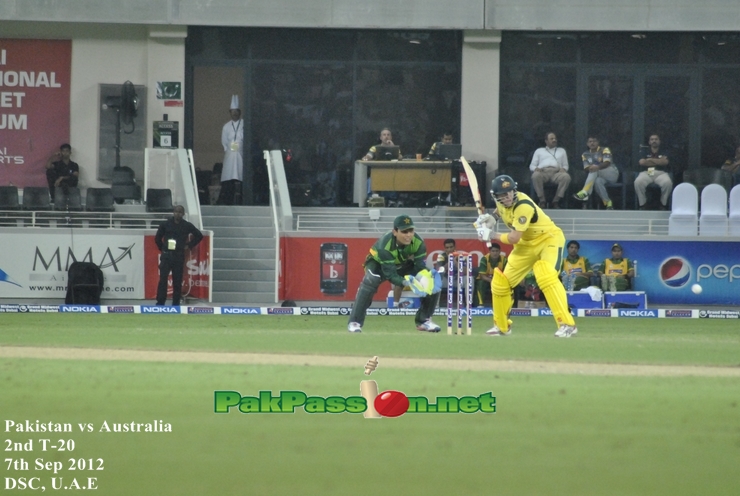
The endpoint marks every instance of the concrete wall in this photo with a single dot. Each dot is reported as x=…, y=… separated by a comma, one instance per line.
x=110, y=54
x=610, y=15
x=480, y=98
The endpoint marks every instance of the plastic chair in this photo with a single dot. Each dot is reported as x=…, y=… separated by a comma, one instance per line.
x=713, y=218
x=702, y=177
x=734, y=220
x=99, y=200
x=158, y=200
x=36, y=198
x=67, y=198
x=9, y=198
x=684, y=211
x=123, y=185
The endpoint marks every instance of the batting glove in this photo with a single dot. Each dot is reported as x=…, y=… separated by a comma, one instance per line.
x=485, y=220
x=484, y=234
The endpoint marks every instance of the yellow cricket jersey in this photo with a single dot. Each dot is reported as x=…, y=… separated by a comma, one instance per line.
x=575, y=267
x=525, y=216
x=613, y=268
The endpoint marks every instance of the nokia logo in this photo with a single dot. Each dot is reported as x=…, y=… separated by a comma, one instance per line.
x=159, y=309
x=240, y=310
x=79, y=309
x=638, y=313
x=200, y=310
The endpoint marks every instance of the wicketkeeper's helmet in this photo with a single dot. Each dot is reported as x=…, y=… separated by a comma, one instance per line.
x=502, y=185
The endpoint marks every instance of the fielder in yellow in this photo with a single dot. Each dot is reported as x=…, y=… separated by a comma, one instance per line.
x=538, y=246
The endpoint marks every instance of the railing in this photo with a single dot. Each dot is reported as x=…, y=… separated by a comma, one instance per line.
x=458, y=221
x=99, y=220
x=174, y=169
x=282, y=213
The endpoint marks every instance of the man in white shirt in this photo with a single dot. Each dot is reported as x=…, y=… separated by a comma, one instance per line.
x=232, y=139
x=550, y=165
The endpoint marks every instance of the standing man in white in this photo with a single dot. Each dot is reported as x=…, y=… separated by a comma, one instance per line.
x=232, y=139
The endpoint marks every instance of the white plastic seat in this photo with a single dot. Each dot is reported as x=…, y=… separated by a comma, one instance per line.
x=735, y=211
x=684, y=218
x=713, y=218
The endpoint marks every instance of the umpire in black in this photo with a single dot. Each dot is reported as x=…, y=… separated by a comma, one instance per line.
x=173, y=236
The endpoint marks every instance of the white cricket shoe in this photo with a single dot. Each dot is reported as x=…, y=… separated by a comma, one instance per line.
x=354, y=327
x=566, y=331
x=495, y=331
x=428, y=326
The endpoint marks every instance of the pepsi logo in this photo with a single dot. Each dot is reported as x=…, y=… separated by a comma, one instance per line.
x=675, y=272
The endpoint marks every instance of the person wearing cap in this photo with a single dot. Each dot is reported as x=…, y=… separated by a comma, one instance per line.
x=397, y=256
x=232, y=139
x=616, y=272
x=538, y=245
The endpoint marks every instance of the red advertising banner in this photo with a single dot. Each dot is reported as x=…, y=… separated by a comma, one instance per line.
x=330, y=269
x=196, y=279
x=34, y=107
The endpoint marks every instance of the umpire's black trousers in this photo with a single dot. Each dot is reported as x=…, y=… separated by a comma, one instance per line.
x=169, y=261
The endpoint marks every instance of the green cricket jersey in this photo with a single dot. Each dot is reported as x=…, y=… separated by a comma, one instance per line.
x=392, y=257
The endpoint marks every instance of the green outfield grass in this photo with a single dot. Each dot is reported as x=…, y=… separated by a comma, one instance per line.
x=554, y=434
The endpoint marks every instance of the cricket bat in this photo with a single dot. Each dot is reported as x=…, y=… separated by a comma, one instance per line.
x=473, y=182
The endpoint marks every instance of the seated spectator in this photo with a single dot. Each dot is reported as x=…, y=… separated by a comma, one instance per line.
x=550, y=165
x=386, y=139
x=655, y=163
x=62, y=172
x=446, y=140
x=576, y=271
x=732, y=165
x=597, y=162
x=617, y=272
x=488, y=263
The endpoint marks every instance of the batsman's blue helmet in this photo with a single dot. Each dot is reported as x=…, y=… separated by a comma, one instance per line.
x=502, y=185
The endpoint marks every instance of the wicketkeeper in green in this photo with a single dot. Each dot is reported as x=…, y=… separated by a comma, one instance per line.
x=399, y=257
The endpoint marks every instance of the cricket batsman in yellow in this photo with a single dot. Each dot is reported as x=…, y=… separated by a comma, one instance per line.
x=538, y=246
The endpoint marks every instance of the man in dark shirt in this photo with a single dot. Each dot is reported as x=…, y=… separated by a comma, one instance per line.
x=395, y=256
x=173, y=236
x=655, y=165
x=62, y=171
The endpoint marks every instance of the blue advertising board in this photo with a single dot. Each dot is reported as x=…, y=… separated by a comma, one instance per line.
x=666, y=270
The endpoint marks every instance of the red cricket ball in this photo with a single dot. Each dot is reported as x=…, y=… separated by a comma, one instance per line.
x=391, y=403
